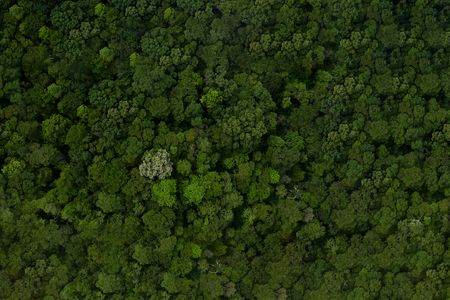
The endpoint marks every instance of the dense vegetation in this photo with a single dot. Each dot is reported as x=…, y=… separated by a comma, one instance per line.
x=193, y=149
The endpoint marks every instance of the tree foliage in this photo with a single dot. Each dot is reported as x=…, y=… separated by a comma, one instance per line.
x=193, y=149
x=156, y=164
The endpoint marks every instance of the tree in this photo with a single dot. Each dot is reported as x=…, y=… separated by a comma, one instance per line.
x=108, y=283
x=194, y=191
x=163, y=192
x=54, y=128
x=309, y=140
x=211, y=99
x=156, y=164
x=109, y=203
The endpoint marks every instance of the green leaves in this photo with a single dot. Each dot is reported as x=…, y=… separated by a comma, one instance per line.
x=379, y=130
x=13, y=168
x=411, y=177
x=311, y=231
x=99, y=9
x=54, y=128
x=109, y=203
x=195, y=250
x=191, y=149
x=194, y=191
x=142, y=254
x=163, y=192
x=76, y=136
x=184, y=167
x=108, y=283
x=106, y=55
x=429, y=84
x=274, y=176
x=211, y=99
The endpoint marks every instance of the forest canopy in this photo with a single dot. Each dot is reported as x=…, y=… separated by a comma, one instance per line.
x=233, y=149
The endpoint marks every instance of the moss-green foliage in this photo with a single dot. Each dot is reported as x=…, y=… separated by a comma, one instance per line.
x=194, y=191
x=211, y=99
x=193, y=149
x=163, y=192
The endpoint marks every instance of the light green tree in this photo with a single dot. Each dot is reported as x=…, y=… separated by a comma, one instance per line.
x=156, y=164
x=164, y=191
